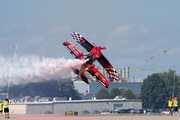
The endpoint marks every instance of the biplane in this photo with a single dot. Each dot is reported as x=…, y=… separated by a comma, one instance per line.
x=94, y=54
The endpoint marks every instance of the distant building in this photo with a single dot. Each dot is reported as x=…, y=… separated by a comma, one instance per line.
x=94, y=87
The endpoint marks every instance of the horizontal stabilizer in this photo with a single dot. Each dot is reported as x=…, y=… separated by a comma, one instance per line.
x=75, y=70
x=84, y=78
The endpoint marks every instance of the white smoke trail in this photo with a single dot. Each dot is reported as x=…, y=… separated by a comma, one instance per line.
x=34, y=69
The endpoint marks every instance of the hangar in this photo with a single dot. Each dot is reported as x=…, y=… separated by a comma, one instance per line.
x=61, y=107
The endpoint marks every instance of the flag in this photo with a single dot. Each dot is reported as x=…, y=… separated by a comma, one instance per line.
x=85, y=93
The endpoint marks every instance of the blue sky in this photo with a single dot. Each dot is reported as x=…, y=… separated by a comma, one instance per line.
x=133, y=30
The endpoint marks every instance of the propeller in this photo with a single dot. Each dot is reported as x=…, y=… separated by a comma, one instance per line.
x=103, y=48
x=94, y=44
x=99, y=47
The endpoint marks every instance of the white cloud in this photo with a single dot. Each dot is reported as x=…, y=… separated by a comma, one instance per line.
x=142, y=30
x=144, y=48
x=129, y=32
x=31, y=28
x=93, y=37
x=127, y=36
x=121, y=43
x=119, y=31
x=149, y=47
x=129, y=50
x=36, y=40
x=61, y=29
x=13, y=26
x=134, y=40
x=160, y=41
x=128, y=42
x=130, y=61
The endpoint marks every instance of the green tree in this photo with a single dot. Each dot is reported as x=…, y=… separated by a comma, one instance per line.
x=169, y=78
x=51, y=88
x=129, y=94
x=17, y=90
x=153, y=92
x=115, y=92
x=103, y=94
x=69, y=90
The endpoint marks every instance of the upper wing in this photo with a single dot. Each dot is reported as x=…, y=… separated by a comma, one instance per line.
x=72, y=49
x=98, y=76
x=82, y=41
x=108, y=67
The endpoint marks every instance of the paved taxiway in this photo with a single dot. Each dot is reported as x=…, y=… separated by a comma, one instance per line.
x=96, y=117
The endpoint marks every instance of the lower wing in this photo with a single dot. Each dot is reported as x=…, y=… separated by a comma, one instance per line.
x=98, y=76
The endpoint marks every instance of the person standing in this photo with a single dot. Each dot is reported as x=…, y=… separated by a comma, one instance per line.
x=175, y=105
x=144, y=111
x=1, y=109
x=6, y=108
x=170, y=104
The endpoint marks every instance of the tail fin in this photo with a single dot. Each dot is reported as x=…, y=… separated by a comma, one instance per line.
x=83, y=76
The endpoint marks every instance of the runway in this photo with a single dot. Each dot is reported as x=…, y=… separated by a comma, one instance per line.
x=95, y=117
